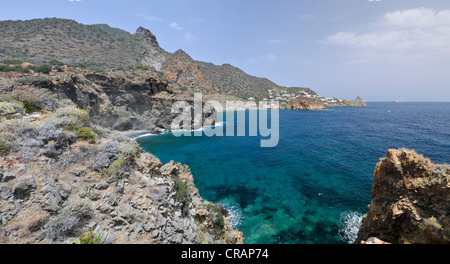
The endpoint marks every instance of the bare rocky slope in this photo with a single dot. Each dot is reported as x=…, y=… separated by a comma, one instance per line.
x=410, y=201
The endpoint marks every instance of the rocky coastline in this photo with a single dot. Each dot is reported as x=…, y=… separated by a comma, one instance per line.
x=67, y=171
x=68, y=166
x=410, y=201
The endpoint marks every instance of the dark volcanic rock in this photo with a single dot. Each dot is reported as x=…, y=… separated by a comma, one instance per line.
x=147, y=34
x=119, y=103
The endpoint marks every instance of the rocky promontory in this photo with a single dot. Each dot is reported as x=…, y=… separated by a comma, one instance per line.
x=410, y=201
x=307, y=104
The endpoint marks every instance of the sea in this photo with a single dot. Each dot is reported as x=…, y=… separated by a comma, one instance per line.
x=315, y=185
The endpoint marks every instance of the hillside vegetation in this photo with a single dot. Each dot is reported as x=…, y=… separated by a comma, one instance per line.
x=103, y=47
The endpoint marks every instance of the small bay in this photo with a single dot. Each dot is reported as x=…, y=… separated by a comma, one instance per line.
x=316, y=184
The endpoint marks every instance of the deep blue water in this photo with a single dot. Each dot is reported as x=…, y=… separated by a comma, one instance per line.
x=316, y=184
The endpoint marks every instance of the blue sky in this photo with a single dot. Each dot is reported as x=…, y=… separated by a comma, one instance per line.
x=379, y=50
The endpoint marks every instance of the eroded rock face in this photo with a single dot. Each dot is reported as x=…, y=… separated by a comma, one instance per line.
x=140, y=202
x=145, y=33
x=182, y=69
x=57, y=184
x=411, y=201
x=118, y=103
x=308, y=105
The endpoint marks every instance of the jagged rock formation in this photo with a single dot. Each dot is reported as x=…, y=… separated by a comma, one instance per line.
x=307, y=105
x=147, y=34
x=357, y=102
x=153, y=55
x=410, y=201
x=57, y=202
x=181, y=68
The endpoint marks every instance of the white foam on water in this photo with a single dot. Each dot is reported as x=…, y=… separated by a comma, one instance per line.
x=350, y=223
x=220, y=124
x=235, y=217
x=145, y=135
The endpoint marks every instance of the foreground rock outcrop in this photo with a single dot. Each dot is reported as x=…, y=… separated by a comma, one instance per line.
x=411, y=201
x=63, y=178
x=49, y=201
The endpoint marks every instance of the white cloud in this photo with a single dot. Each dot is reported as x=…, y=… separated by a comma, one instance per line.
x=268, y=57
x=306, y=17
x=150, y=18
x=74, y=0
x=277, y=41
x=175, y=26
x=195, y=20
x=419, y=17
x=189, y=36
x=251, y=60
x=413, y=33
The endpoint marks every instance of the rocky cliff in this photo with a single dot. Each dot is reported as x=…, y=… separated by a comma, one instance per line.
x=138, y=101
x=65, y=180
x=181, y=69
x=306, y=104
x=410, y=201
x=343, y=102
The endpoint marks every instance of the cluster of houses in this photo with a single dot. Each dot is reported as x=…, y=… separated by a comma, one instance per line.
x=284, y=95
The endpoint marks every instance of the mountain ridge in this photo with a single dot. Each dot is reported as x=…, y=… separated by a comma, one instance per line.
x=107, y=47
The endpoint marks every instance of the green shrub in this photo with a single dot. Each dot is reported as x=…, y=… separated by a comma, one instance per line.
x=55, y=62
x=140, y=67
x=85, y=133
x=27, y=80
x=119, y=162
x=68, y=218
x=182, y=194
x=4, y=148
x=24, y=70
x=29, y=107
x=218, y=216
x=181, y=189
x=129, y=150
x=28, y=96
x=106, y=171
x=69, y=117
x=6, y=68
x=89, y=238
x=12, y=61
x=44, y=68
x=78, y=207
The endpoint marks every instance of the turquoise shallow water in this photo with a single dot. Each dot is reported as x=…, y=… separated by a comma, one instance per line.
x=315, y=185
